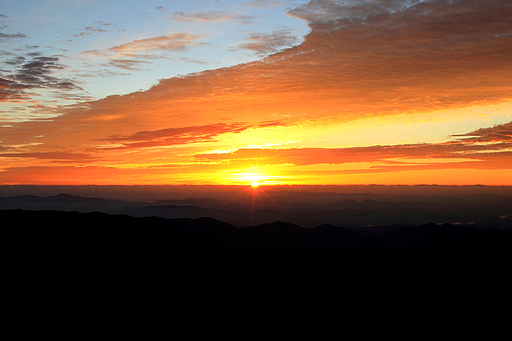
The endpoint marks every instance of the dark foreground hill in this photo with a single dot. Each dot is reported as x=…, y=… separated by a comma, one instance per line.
x=100, y=260
x=57, y=232
x=363, y=255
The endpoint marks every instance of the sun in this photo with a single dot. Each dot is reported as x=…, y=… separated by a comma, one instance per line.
x=252, y=179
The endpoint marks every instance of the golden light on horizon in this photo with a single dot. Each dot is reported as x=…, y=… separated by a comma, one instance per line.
x=254, y=179
x=355, y=100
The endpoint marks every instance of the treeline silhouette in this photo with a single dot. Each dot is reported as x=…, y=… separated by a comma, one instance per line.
x=93, y=257
x=90, y=233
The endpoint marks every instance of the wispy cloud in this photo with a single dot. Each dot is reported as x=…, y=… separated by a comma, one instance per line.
x=11, y=91
x=497, y=133
x=264, y=44
x=61, y=157
x=6, y=36
x=171, y=42
x=98, y=26
x=266, y=3
x=34, y=73
x=127, y=64
x=131, y=55
x=214, y=17
x=191, y=60
x=176, y=136
x=273, y=123
x=433, y=155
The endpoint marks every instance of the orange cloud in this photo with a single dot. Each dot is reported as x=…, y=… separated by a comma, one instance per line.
x=310, y=156
x=58, y=156
x=359, y=61
x=498, y=133
x=175, y=136
x=463, y=153
x=429, y=56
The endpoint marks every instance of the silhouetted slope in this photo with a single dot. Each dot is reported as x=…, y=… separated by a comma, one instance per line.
x=279, y=234
x=47, y=231
x=317, y=209
x=203, y=202
x=73, y=232
x=171, y=211
x=428, y=235
x=66, y=202
x=52, y=250
x=97, y=261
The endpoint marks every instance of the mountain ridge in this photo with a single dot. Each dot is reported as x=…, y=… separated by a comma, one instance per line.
x=478, y=210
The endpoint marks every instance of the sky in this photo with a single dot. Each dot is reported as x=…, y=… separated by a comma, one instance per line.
x=259, y=92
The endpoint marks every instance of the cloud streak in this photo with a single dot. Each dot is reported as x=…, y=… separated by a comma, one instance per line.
x=497, y=133
x=264, y=44
x=36, y=73
x=171, y=42
x=464, y=151
x=131, y=55
x=175, y=136
x=97, y=27
x=264, y=4
x=61, y=157
x=7, y=36
x=214, y=17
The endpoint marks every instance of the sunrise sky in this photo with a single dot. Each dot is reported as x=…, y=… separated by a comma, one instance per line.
x=256, y=92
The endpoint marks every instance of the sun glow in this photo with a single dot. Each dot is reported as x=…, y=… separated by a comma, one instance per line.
x=253, y=179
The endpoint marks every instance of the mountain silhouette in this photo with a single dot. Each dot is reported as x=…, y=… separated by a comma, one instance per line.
x=73, y=231
x=309, y=211
x=317, y=246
